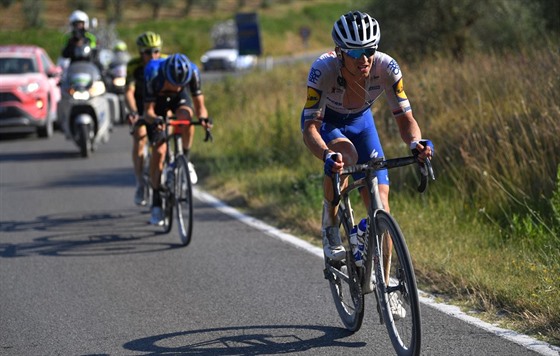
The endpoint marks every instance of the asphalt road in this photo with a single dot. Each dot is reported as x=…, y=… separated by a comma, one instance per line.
x=81, y=273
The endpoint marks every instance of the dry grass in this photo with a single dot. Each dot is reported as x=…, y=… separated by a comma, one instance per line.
x=487, y=235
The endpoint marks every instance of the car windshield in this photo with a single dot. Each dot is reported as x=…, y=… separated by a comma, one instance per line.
x=14, y=65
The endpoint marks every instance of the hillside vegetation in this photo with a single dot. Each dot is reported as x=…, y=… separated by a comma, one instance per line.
x=487, y=233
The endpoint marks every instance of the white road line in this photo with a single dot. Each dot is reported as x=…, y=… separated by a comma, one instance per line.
x=528, y=342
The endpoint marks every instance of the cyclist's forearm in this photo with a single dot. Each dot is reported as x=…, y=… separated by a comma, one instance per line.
x=129, y=100
x=408, y=128
x=149, y=113
x=314, y=142
x=200, y=107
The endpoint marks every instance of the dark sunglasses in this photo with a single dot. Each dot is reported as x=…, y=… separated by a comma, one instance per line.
x=151, y=51
x=357, y=53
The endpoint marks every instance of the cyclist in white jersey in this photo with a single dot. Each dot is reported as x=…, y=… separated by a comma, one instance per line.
x=337, y=122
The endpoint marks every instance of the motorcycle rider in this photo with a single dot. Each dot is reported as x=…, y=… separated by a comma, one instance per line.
x=79, y=36
x=149, y=47
x=120, y=51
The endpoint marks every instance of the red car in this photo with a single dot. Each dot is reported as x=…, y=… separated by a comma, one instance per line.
x=29, y=91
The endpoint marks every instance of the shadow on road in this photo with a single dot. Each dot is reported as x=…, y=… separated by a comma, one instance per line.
x=86, y=234
x=244, y=340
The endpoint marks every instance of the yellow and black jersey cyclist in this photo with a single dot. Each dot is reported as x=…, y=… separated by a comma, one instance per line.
x=149, y=47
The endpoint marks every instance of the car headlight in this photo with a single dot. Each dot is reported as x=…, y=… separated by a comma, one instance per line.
x=204, y=59
x=97, y=88
x=29, y=88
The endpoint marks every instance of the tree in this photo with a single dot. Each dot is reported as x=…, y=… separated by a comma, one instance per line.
x=156, y=5
x=32, y=11
x=6, y=3
x=454, y=27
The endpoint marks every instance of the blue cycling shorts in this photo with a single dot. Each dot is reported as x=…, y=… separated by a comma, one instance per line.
x=360, y=130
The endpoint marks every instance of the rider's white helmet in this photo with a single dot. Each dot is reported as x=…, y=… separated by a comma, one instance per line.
x=79, y=16
x=356, y=30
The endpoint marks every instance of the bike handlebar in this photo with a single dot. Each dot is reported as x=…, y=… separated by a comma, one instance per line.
x=172, y=121
x=376, y=164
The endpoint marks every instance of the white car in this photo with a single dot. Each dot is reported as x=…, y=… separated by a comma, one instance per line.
x=226, y=59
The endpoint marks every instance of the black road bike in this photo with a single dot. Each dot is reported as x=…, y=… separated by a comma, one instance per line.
x=176, y=185
x=387, y=270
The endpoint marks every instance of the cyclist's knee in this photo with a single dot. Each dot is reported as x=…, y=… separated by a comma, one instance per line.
x=347, y=149
x=384, y=195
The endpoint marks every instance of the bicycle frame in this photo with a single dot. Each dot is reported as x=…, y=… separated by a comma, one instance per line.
x=371, y=184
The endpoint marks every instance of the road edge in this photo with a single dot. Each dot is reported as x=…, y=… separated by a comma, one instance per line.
x=526, y=341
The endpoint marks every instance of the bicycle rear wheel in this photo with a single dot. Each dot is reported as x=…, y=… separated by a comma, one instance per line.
x=184, y=200
x=397, y=294
x=346, y=288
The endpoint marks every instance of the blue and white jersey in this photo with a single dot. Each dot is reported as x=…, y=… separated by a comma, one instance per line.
x=326, y=88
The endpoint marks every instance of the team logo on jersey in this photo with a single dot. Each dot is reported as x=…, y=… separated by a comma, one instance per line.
x=393, y=67
x=314, y=75
x=313, y=97
x=398, y=87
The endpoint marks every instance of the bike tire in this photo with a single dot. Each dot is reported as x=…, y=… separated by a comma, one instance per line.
x=184, y=200
x=346, y=287
x=167, y=204
x=404, y=331
x=84, y=140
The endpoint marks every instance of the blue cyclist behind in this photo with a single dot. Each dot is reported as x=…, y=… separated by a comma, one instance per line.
x=173, y=85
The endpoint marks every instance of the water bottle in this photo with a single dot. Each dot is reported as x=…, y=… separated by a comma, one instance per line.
x=357, y=242
x=362, y=228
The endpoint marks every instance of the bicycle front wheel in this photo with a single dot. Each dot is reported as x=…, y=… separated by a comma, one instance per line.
x=184, y=200
x=346, y=287
x=396, y=287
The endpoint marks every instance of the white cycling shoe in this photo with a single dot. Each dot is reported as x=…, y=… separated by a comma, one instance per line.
x=157, y=216
x=397, y=307
x=332, y=246
x=140, y=196
x=192, y=173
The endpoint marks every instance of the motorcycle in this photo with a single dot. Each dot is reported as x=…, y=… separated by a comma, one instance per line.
x=114, y=74
x=86, y=110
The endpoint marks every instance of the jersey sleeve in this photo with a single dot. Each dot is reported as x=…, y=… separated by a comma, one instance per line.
x=150, y=76
x=195, y=85
x=314, y=103
x=394, y=89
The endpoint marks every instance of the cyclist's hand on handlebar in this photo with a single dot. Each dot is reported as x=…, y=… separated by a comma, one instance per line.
x=422, y=148
x=333, y=163
x=132, y=117
x=158, y=123
x=206, y=122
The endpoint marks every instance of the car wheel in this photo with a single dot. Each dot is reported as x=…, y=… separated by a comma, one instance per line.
x=46, y=131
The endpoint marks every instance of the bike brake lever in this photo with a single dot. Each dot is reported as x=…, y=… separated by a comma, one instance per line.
x=208, y=136
x=425, y=170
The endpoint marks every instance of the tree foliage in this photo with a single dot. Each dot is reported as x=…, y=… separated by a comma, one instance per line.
x=6, y=3
x=416, y=28
x=32, y=12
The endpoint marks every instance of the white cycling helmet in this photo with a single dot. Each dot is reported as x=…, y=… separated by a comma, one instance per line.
x=356, y=30
x=79, y=16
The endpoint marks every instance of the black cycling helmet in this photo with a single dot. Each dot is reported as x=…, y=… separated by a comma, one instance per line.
x=177, y=69
x=356, y=30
